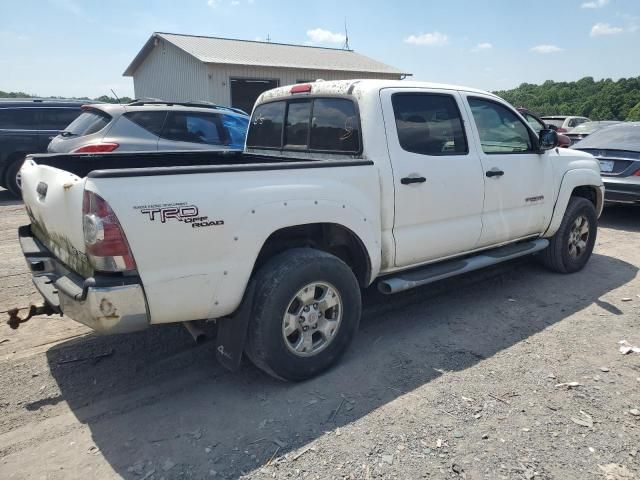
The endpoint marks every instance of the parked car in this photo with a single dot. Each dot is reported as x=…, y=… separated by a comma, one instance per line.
x=585, y=129
x=27, y=126
x=537, y=124
x=617, y=148
x=565, y=123
x=342, y=184
x=153, y=125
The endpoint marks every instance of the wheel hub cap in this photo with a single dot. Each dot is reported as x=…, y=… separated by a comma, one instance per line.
x=578, y=237
x=312, y=319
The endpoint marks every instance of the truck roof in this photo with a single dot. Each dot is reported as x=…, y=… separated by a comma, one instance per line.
x=362, y=86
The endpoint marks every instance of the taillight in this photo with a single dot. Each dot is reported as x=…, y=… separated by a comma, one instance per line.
x=301, y=88
x=637, y=174
x=561, y=130
x=104, y=240
x=97, y=148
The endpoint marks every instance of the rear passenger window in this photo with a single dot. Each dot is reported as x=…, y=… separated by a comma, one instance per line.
x=266, y=125
x=429, y=124
x=18, y=118
x=194, y=128
x=56, y=118
x=334, y=126
x=152, y=122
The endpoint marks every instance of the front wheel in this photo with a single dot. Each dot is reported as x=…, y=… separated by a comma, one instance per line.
x=306, y=312
x=571, y=246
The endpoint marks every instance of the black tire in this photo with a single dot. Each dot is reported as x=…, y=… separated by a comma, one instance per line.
x=277, y=284
x=10, y=177
x=557, y=256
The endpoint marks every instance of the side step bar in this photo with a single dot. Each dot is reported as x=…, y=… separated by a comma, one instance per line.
x=451, y=268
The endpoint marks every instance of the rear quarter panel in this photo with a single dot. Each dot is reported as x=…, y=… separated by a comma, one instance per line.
x=196, y=272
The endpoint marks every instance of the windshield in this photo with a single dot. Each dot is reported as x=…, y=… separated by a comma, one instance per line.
x=616, y=137
x=89, y=121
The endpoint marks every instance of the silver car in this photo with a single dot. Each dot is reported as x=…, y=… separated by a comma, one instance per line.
x=153, y=125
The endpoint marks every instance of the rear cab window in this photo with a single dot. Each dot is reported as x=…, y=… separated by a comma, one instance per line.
x=89, y=122
x=311, y=124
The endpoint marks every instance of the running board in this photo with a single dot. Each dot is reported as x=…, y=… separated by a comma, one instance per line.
x=440, y=271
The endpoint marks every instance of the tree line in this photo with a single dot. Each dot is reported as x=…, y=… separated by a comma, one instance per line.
x=103, y=98
x=598, y=100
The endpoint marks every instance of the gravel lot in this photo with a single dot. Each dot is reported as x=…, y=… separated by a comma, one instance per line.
x=470, y=378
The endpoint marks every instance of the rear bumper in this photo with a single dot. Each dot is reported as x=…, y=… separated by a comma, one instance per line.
x=107, y=304
x=622, y=190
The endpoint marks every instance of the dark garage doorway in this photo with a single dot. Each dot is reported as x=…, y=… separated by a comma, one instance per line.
x=245, y=91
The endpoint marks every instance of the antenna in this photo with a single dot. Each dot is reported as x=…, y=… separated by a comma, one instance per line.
x=268, y=38
x=114, y=94
x=346, y=36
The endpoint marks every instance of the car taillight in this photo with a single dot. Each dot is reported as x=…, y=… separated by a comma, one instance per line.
x=637, y=174
x=97, y=148
x=105, y=243
x=561, y=130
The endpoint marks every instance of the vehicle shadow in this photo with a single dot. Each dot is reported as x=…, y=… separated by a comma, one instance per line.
x=7, y=199
x=153, y=397
x=621, y=217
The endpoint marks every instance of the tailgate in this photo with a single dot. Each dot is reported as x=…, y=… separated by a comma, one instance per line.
x=53, y=199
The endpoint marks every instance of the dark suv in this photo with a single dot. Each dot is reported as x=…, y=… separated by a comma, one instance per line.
x=27, y=126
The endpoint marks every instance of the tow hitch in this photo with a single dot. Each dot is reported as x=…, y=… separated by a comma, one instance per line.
x=15, y=320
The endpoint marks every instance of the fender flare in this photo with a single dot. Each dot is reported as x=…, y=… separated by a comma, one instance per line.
x=581, y=177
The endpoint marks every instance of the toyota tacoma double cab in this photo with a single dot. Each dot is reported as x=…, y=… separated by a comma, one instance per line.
x=341, y=185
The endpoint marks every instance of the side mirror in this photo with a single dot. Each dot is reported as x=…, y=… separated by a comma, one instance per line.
x=547, y=139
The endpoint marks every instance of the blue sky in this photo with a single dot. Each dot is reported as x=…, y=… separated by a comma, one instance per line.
x=76, y=48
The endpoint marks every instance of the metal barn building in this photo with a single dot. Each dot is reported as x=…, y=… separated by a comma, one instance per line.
x=235, y=72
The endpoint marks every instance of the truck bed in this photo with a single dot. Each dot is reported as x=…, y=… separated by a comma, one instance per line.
x=133, y=164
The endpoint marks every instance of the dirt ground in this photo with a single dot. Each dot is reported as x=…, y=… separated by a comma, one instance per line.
x=471, y=378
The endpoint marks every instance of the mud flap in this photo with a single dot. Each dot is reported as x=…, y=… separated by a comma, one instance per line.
x=232, y=332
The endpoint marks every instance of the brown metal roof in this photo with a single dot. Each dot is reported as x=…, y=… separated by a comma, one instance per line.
x=265, y=54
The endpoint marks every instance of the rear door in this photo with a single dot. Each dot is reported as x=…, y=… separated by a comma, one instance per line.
x=518, y=198
x=436, y=173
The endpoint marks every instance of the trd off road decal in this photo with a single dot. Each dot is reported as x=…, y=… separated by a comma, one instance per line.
x=181, y=212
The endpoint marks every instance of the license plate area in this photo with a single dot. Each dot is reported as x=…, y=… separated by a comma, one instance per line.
x=606, y=166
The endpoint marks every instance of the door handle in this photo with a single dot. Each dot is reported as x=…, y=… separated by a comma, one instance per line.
x=409, y=180
x=495, y=173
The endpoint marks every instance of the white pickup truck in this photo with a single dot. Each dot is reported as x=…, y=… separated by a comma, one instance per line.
x=341, y=185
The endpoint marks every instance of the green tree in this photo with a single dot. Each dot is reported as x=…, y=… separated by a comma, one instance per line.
x=634, y=114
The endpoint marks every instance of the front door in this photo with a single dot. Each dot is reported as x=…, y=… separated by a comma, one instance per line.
x=437, y=175
x=518, y=198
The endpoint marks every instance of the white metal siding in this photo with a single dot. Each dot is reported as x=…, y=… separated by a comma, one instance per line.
x=169, y=73
x=220, y=75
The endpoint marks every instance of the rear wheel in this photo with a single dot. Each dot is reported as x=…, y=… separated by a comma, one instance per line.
x=12, y=177
x=571, y=247
x=306, y=312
